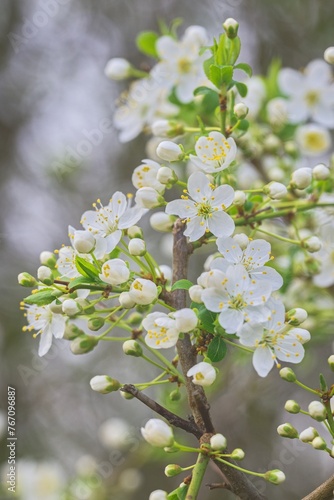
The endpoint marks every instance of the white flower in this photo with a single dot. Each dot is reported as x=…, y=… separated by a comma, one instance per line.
x=169, y=151
x=206, y=212
x=146, y=176
x=157, y=433
x=237, y=298
x=255, y=96
x=160, y=221
x=203, y=374
x=162, y=332
x=114, y=272
x=158, y=495
x=214, y=152
x=107, y=222
x=115, y=433
x=277, y=111
x=301, y=178
x=186, y=320
x=145, y=103
x=148, y=197
x=329, y=55
x=311, y=94
x=274, y=340
x=137, y=247
x=254, y=257
x=143, y=291
x=117, y=68
x=181, y=66
x=46, y=323
x=313, y=140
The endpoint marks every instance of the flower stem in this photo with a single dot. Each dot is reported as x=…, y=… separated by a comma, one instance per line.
x=241, y=469
x=238, y=345
x=278, y=237
x=197, y=476
x=313, y=391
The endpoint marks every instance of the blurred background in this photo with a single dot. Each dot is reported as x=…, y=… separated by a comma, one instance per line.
x=53, y=98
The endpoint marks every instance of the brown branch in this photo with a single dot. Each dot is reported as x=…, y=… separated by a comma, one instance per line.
x=324, y=492
x=168, y=415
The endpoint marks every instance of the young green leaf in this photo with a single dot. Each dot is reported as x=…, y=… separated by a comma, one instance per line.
x=245, y=68
x=43, y=297
x=86, y=268
x=146, y=41
x=182, y=285
x=242, y=88
x=207, y=319
x=217, y=349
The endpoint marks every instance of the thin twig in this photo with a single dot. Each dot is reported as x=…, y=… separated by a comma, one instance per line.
x=324, y=492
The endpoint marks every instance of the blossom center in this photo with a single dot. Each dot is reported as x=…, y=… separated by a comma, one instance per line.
x=237, y=302
x=312, y=97
x=184, y=65
x=315, y=141
x=204, y=209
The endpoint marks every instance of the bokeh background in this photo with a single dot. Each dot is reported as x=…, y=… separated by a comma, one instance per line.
x=54, y=96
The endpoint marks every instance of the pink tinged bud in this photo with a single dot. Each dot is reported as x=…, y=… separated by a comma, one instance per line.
x=157, y=433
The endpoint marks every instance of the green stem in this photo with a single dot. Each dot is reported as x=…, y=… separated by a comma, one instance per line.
x=197, y=476
x=162, y=303
x=239, y=346
x=182, y=184
x=241, y=469
x=150, y=263
x=152, y=362
x=197, y=129
x=114, y=324
x=313, y=391
x=116, y=339
x=161, y=357
x=181, y=447
x=143, y=385
x=278, y=237
x=330, y=419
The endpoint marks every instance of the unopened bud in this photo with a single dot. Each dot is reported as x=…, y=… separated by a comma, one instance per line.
x=240, y=110
x=147, y=197
x=242, y=240
x=175, y=395
x=319, y=443
x=137, y=247
x=71, y=307
x=301, y=178
x=169, y=151
x=271, y=143
x=160, y=221
x=330, y=361
x=126, y=301
x=275, y=190
x=218, y=442
x=238, y=454
x=296, y=316
x=44, y=274
x=83, y=344
x=48, y=259
x=118, y=69
x=313, y=244
x=166, y=175
x=173, y=470
x=292, y=406
x=275, y=476
x=72, y=331
x=288, y=374
x=317, y=411
x=321, y=172
x=104, y=384
x=83, y=241
x=25, y=279
x=239, y=198
x=95, y=324
x=287, y=431
x=307, y=435
x=126, y=395
x=329, y=55
x=231, y=27
x=135, y=232
x=195, y=293
x=132, y=348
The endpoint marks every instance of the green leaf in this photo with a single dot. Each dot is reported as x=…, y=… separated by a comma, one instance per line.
x=207, y=319
x=179, y=494
x=243, y=125
x=220, y=75
x=82, y=280
x=86, y=268
x=115, y=253
x=146, y=41
x=323, y=383
x=43, y=297
x=217, y=349
x=206, y=65
x=204, y=91
x=182, y=285
x=245, y=68
x=242, y=88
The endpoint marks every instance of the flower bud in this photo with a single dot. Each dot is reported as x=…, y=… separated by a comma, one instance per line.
x=25, y=279
x=167, y=272
x=288, y=374
x=135, y=232
x=271, y=143
x=240, y=110
x=319, y=443
x=218, y=442
x=301, y=178
x=231, y=27
x=275, y=476
x=329, y=55
x=126, y=395
x=126, y=301
x=175, y=395
x=275, y=190
x=238, y=454
x=118, y=69
x=114, y=272
x=173, y=470
x=242, y=240
x=104, y=384
x=277, y=112
x=135, y=318
x=321, y=172
x=317, y=411
x=158, y=495
x=203, y=374
x=330, y=361
x=313, y=244
x=195, y=293
x=169, y=151
x=96, y=323
x=132, y=348
x=296, y=316
x=48, y=259
x=186, y=320
x=160, y=221
x=308, y=435
x=85, y=305
x=71, y=307
x=147, y=197
x=83, y=241
x=137, y=247
x=163, y=128
x=239, y=198
x=157, y=433
x=166, y=175
x=292, y=406
x=72, y=331
x=143, y=291
x=287, y=431
x=44, y=274
x=83, y=344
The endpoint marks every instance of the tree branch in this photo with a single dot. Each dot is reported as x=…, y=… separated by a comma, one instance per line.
x=324, y=492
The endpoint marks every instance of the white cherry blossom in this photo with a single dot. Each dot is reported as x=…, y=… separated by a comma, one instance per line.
x=237, y=298
x=46, y=323
x=108, y=221
x=205, y=212
x=313, y=139
x=311, y=93
x=273, y=340
x=202, y=374
x=146, y=176
x=214, y=152
x=161, y=330
x=253, y=257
